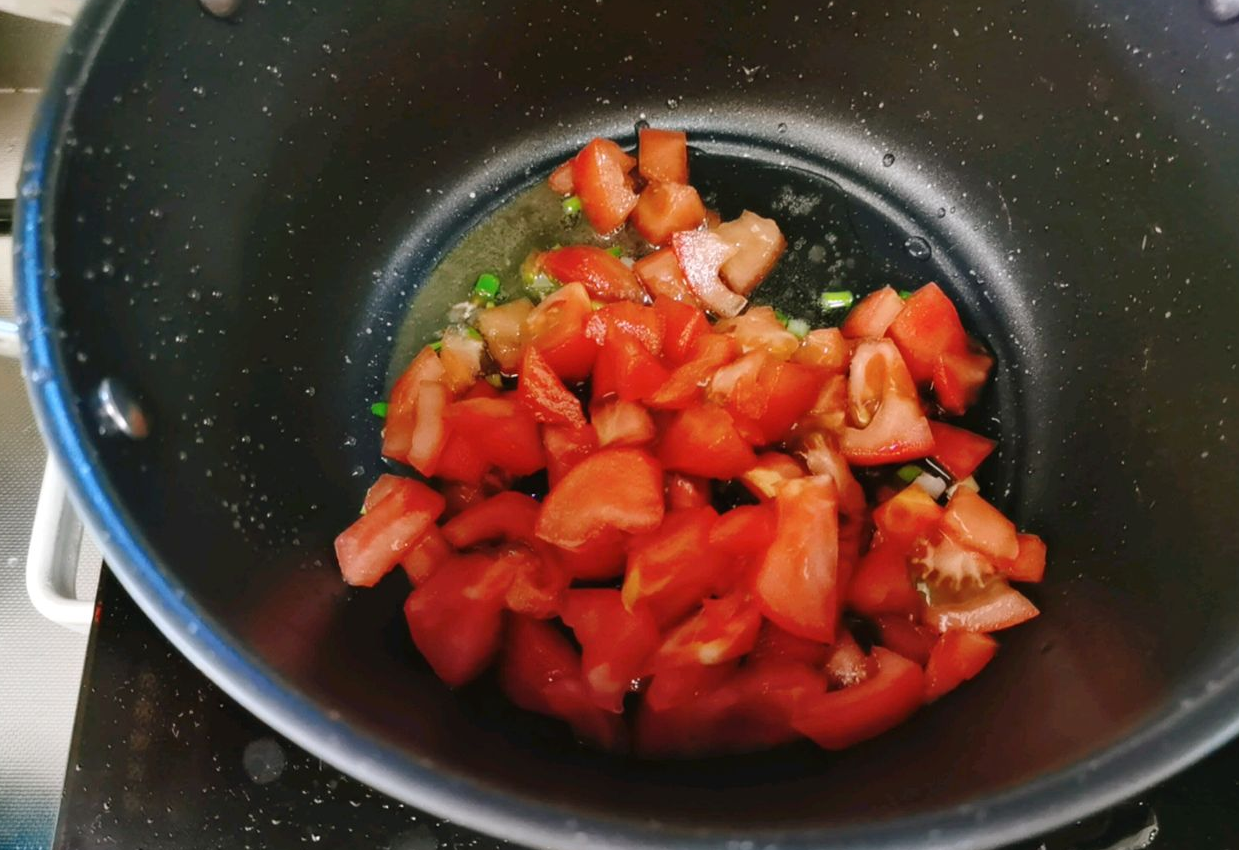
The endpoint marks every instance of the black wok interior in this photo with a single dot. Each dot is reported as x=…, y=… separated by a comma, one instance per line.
x=246, y=208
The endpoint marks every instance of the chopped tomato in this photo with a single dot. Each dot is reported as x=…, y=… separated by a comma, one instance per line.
x=622, y=423
x=401, y=409
x=461, y=495
x=662, y=155
x=672, y=686
x=779, y=644
x=822, y=457
x=503, y=329
x=828, y=415
x=566, y=447
x=957, y=657
x=461, y=460
x=503, y=432
x=703, y=440
x=686, y=491
x=1029, y=564
x=824, y=348
x=672, y=567
x=600, y=559
x=615, y=643
x=645, y=324
x=701, y=254
x=600, y=179
x=958, y=379
x=626, y=368
x=787, y=391
x=693, y=727
x=723, y=629
x=482, y=389
x=995, y=607
x=376, y=541
x=538, y=584
x=873, y=315
x=461, y=355
x=504, y=516
x=429, y=427
x=899, y=633
x=882, y=583
x=980, y=526
x=684, y=324
x=683, y=387
x=602, y=274
x=758, y=244
x=847, y=664
x=661, y=276
x=958, y=451
x=926, y=328
x=909, y=514
x=839, y=719
x=770, y=473
x=769, y=693
x=560, y=180
x=796, y=584
x=666, y=208
x=946, y=564
x=759, y=329
x=431, y=550
x=379, y=489
x=744, y=532
x=556, y=327
x=456, y=615
x=612, y=488
x=544, y=395
x=884, y=403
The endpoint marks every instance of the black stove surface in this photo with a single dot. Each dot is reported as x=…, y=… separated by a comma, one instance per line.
x=163, y=760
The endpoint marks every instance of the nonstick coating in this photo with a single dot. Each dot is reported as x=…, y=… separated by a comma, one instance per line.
x=229, y=217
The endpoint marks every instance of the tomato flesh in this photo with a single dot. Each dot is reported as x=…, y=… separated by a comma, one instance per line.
x=956, y=657
x=577, y=510
x=667, y=208
x=600, y=179
x=369, y=548
x=840, y=719
x=662, y=155
x=601, y=273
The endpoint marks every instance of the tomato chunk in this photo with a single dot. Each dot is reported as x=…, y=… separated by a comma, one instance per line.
x=503, y=432
x=626, y=368
x=683, y=325
x=770, y=473
x=622, y=423
x=884, y=402
x=839, y=719
x=926, y=328
x=959, y=451
x=758, y=244
x=560, y=179
x=759, y=329
x=556, y=327
x=600, y=179
x=873, y=315
x=683, y=387
x=978, y=525
x=722, y=630
x=662, y=155
x=504, y=516
x=703, y=440
x=602, y=558
x=460, y=460
x=661, y=276
x=997, y=606
x=672, y=567
x=401, y=409
x=1029, y=564
x=376, y=541
x=957, y=657
x=503, y=329
x=824, y=348
x=778, y=644
x=567, y=446
x=883, y=584
x=667, y=208
x=909, y=514
x=958, y=380
x=538, y=583
x=745, y=532
x=430, y=550
x=544, y=395
x=615, y=643
x=686, y=491
x=603, y=275
x=910, y=639
x=613, y=488
x=645, y=324
x=701, y=254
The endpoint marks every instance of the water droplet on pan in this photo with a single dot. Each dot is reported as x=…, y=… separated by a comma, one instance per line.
x=918, y=248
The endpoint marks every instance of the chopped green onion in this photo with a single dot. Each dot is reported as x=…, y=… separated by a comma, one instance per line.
x=798, y=327
x=908, y=474
x=473, y=333
x=616, y=251
x=436, y=345
x=837, y=300
x=781, y=316
x=487, y=285
x=379, y=409
x=495, y=381
x=905, y=294
x=572, y=205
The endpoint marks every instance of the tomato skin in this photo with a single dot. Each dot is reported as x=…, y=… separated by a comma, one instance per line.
x=565, y=447
x=461, y=461
x=839, y=719
x=909, y=514
x=958, y=380
x=769, y=693
x=873, y=315
x=672, y=567
x=682, y=388
x=791, y=391
x=686, y=491
x=703, y=440
x=662, y=155
x=956, y=657
x=825, y=349
x=600, y=179
x=774, y=643
x=382, y=486
x=626, y=368
x=666, y=208
x=980, y=526
x=684, y=324
x=431, y=550
x=402, y=405
x=455, y=617
x=642, y=323
x=601, y=559
x=721, y=630
x=369, y=548
x=560, y=179
x=504, y=516
x=899, y=633
x=662, y=277
x=1029, y=564
x=615, y=643
x=701, y=254
x=796, y=584
x=995, y=607
x=745, y=532
x=556, y=327
x=544, y=395
x=882, y=583
x=603, y=275
x=578, y=509
x=771, y=472
x=758, y=244
x=502, y=431
x=926, y=328
x=959, y=451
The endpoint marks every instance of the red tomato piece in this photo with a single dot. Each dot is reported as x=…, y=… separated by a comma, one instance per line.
x=431, y=550
x=666, y=208
x=661, y=276
x=686, y=491
x=504, y=516
x=697, y=726
x=502, y=328
x=980, y=526
x=598, y=560
x=544, y=395
x=873, y=315
x=701, y=254
x=560, y=180
x=615, y=643
x=759, y=329
x=839, y=719
x=672, y=567
x=722, y=630
x=770, y=693
x=600, y=179
x=828, y=415
x=703, y=440
x=672, y=686
x=566, y=447
x=995, y=607
x=796, y=584
x=683, y=387
x=556, y=327
x=503, y=432
x=745, y=532
x=882, y=583
x=662, y=155
x=538, y=584
x=884, y=402
x=626, y=368
x=461, y=460
x=900, y=634
x=957, y=657
x=824, y=458
x=541, y=672
x=684, y=324
x=461, y=356
x=926, y=328
x=824, y=348
x=376, y=541
x=622, y=423
x=429, y=427
x=461, y=495
x=613, y=488
x=1029, y=564
x=847, y=664
x=602, y=274
x=456, y=615
x=959, y=451
x=383, y=485
x=401, y=408
x=909, y=514
x=958, y=380
x=645, y=324
x=770, y=473
x=777, y=644
x=758, y=244
x=790, y=391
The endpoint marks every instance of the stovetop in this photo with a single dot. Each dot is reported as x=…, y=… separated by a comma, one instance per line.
x=163, y=760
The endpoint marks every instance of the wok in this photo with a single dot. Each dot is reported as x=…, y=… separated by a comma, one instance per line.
x=227, y=217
